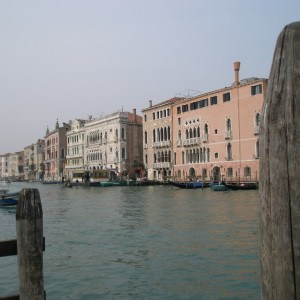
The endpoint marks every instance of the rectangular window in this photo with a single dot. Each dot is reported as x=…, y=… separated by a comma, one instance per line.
x=216, y=155
x=153, y=114
x=229, y=172
x=185, y=108
x=226, y=97
x=213, y=100
x=204, y=103
x=179, y=121
x=178, y=110
x=145, y=118
x=256, y=89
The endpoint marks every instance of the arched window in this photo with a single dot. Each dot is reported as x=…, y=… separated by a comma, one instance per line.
x=182, y=157
x=198, y=131
x=123, y=134
x=179, y=134
x=169, y=133
x=194, y=133
x=158, y=157
x=186, y=134
x=117, y=135
x=154, y=136
x=206, y=128
x=145, y=136
x=228, y=125
x=247, y=172
x=191, y=133
x=257, y=119
x=229, y=151
x=165, y=134
x=123, y=153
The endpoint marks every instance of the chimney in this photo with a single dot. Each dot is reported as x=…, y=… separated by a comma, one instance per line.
x=236, y=72
x=150, y=103
x=134, y=115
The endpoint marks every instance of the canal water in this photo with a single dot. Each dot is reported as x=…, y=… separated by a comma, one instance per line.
x=152, y=242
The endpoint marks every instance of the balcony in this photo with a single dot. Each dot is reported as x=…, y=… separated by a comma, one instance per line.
x=145, y=146
x=161, y=144
x=179, y=143
x=161, y=165
x=228, y=158
x=228, y=135
x=256, y=130
x=205, y=138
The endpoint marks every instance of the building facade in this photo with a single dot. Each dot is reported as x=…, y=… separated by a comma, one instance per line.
x=55, y=152
x=216, y=135
x=4, y=164
x=213, y=135
x=34, y=156
x=157, y=139
x=75, y=150
x=16, y=165
x=113, y=142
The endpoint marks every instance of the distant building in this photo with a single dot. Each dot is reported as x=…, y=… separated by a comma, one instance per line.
x=55, y=152
x=16, y=165
x=34, y=156
x=75, y=150
x=4, y=165
x=113, y=142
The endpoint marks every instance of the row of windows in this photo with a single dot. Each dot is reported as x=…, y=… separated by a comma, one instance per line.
x=199, y=155
x=160, y=134
x=257, y=89
x=99, y=156
x=51, y=141
x=97, y=136
x=229, y=172
x=159, y=114
x=75, y=138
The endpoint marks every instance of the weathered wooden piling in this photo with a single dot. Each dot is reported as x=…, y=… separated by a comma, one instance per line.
x=280, y=172
x=29, y=216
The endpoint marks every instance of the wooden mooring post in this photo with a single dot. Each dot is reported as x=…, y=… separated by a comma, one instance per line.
x=29, y=246
x=279, y=211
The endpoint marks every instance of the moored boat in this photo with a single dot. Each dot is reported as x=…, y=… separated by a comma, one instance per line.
x=219, y=187
x=9, y=199
x=242, y=186
x=113, y=183
x=190, y=184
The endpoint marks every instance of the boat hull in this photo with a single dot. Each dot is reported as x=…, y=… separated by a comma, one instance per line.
x=190, y=184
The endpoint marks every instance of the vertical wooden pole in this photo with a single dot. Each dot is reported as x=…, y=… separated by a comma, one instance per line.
x=29, y=216
x=280, y=172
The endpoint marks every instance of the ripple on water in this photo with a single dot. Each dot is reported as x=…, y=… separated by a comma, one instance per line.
x=153, y=242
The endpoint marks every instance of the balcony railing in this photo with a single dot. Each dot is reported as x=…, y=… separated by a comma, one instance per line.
x=192, y=142
x=161, y=165
x=228, y=134
x=161, y=144
x=256, y=130
x=205, y=138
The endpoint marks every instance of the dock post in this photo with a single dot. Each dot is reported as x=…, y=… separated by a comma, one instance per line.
x=29, y=217
x=279, y=205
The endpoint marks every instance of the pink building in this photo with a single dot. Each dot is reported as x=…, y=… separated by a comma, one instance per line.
x=216, y=135
x=55, y=151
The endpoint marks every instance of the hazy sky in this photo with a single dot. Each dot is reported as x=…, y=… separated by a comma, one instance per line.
x=68, y=59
